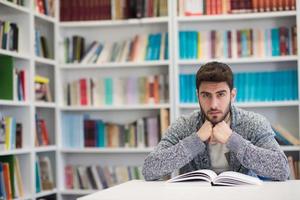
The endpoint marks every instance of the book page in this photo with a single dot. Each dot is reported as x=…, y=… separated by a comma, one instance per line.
x=236, y=178
x=201, y=175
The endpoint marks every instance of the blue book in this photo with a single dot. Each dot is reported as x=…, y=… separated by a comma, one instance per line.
x=100, y=136
x=195, y=44
x=244, y=43
x=166, y=53
x=295, y=85
x=181, y=44
x=181, y=83
x=2, y=186
x=275, y=41
x=108, y=85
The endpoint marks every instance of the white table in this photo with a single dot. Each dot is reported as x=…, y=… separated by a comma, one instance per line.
x=160, y=190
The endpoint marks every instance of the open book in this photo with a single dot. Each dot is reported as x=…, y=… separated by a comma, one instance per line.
x=228, y=178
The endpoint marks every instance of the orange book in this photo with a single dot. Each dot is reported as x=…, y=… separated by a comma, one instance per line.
x=255, y=6
x=208, y=7
x=213, y=7
x=293, y=4
x=280, y=5
x=218, y=7
x=261, y=6
x=156, y=89
x=274, y=5
x=7, y=183
x=267, y=5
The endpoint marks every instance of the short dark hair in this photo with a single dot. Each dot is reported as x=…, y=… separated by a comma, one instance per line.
x=214, y=72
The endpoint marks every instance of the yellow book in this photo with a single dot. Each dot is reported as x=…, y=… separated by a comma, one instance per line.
x=199, y=46
x=7, y=132
x=18, y=178
x=41, y=79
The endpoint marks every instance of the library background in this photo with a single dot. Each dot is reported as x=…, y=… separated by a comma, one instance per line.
x=87, y=87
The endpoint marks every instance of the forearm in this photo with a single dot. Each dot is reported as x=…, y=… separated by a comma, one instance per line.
x=268, y=162
x=165, y=159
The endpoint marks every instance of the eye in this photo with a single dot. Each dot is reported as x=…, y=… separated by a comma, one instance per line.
x=221, y=94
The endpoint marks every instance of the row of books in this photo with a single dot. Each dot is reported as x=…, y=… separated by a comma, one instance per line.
x=152, y=89
x=41, y=132
x=41, y=46
x=9, y=36
x=45, y=7
x=82, y=10
x=283, y=136
x=44, y=173
x=294, y=166
x=126, y=9
x=217, y=7
x=42, y=89
x=12, y=81
x=99, y=177
x=251, y=86
x=18, y=2
x=81, y=131
x=141, y=47
x=279, y=41
x=11, y=182
x=10, y=133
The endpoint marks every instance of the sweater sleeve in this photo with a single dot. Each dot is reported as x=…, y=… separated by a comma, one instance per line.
x=262, y=154
x=177, y=148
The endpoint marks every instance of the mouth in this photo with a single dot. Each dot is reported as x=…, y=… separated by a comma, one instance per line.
x=214, y=112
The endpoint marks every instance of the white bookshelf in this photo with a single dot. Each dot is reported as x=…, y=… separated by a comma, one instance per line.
x=115, y=107
x=108, y=150
x=27, y=18
x=116, y=65
x=228, y=17
x=106, y=23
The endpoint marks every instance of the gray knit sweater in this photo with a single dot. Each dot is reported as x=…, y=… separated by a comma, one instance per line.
x=252, y=148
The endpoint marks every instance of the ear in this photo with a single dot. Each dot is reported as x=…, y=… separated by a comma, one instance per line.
x=233, y=94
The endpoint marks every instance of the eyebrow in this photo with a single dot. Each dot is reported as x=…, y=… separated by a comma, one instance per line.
x=204, y=92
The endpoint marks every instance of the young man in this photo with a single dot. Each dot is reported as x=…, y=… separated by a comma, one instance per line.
x=220, y=136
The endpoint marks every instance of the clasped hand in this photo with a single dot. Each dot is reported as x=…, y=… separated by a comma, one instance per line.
x=219, y=133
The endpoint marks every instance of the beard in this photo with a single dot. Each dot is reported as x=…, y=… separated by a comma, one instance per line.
x=213, y=120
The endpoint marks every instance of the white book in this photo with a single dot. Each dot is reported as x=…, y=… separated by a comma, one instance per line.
x=96, y=177
x=105, y=54
x=141, y=46
x=90, y=53
x=162, y=46
x=125, y=52
x=140, y=133
x=228, y=178
x=234, y=52
x=99, y=92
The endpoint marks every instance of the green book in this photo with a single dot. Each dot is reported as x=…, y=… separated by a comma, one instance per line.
x=6, y=77
x=10, y=160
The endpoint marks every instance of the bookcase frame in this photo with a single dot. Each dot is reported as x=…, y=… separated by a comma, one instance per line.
x=173, y=66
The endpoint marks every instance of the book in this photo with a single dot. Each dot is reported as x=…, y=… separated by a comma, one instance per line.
x=228, y=178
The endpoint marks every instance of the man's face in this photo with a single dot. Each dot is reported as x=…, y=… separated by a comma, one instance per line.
x=215, y=99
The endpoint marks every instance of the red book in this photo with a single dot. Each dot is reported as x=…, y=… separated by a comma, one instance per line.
x=7, y=183
x=90, y=133
x=239, y=43
x=229, y=39
x=69, y=177
x=218, y=7
x=23, y=83
x=213, y=43
x=45, y=135
x=213, y=7
x=208, y=7
x=83, y=92
x=294, y=40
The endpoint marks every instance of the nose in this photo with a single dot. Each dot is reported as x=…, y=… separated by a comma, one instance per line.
x=214, y=103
